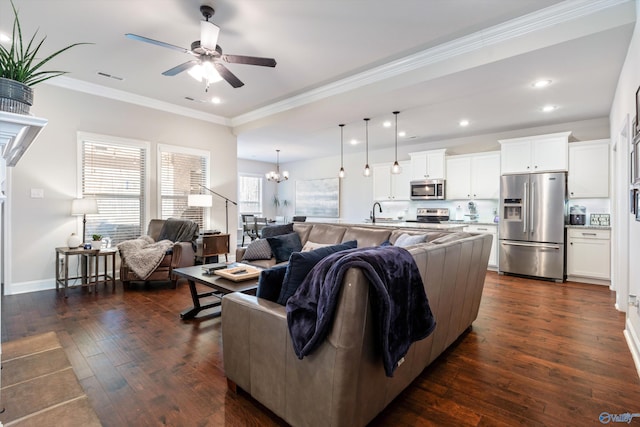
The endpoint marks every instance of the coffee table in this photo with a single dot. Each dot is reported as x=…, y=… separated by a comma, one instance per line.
x=220, y=285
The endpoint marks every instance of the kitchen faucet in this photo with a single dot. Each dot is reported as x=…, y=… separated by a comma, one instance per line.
x=373, y=216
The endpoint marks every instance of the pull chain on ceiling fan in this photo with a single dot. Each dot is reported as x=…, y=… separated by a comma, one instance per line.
x=209, y=57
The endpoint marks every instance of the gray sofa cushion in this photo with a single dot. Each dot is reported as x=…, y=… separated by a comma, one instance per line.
x=258, y=249
x=407, y=240
x=277, y=230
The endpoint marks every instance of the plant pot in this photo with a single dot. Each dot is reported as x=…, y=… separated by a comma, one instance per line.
x=15, y=97
x=96, y=244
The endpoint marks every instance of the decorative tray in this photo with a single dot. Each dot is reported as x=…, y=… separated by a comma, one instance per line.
x=239, y=272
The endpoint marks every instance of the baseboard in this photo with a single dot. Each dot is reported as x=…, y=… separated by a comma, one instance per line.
x=589, y=280
x=633, y=342
x=32, y=286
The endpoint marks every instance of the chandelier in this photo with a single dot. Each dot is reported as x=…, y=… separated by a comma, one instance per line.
x=276, y=175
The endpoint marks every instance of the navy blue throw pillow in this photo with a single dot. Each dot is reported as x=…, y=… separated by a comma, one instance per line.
x=283, y=246
x=270, y=282
x=277, y=230
x=301, y=263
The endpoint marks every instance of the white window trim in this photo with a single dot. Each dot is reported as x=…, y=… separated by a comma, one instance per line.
x=167, y=148
x=113, y=140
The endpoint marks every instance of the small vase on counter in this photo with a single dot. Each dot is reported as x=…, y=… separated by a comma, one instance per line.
x=74, y=241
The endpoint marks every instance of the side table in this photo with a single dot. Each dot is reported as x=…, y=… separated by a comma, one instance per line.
x=90, y=267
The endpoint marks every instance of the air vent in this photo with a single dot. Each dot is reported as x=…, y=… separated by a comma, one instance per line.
x=110, y=76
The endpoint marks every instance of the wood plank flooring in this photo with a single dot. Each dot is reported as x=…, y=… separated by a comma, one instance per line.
x=540, y=353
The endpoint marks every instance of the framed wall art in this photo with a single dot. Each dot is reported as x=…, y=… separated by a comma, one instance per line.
x=637, y=126
x=318, y=197
x=632, y=200
x=637, y=205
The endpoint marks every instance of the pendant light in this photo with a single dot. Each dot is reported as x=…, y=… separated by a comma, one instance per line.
x=341, y=174
x=275, y=175
x=367, y=169
x=396, y=169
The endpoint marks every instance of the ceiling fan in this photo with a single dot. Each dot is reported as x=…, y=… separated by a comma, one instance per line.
x=209, y=57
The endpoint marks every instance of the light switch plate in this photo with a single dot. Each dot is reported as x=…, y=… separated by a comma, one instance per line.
x=37, y=193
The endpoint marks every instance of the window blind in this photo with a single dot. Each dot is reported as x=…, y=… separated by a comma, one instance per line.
x=250, y=194
x=114, y=175
x=180, y=174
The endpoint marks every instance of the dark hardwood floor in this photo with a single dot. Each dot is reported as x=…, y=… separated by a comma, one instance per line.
x=540, y=353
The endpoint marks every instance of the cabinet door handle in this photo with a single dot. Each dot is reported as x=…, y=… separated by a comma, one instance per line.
x=589, y=234
x=482, y=229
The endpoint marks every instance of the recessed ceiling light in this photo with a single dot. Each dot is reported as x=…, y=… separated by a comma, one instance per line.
x=216, y=100
x=4, y=38
x=463, y=122
x=541, y=83
x=549, y=108
x=354, y=141
x=402, y=134
x=387, y=124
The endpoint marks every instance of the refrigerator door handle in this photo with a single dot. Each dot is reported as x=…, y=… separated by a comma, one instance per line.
x=532, y=245
x=533, y=205
x=525, y=208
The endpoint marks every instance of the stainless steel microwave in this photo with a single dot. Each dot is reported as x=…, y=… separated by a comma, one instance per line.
x=427, y=189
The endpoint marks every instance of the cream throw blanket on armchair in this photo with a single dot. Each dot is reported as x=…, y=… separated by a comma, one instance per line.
x=143, y=255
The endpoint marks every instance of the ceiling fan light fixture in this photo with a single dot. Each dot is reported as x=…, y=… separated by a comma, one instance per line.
x=205, y=71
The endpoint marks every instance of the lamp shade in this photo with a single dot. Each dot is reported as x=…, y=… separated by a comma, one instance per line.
x=201, y=200
x=84, y=206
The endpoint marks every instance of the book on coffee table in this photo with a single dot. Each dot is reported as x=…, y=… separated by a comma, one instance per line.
x=239, y=272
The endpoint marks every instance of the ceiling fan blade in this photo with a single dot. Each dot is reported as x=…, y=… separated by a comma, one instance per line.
x=209, y=35
x=156, y=42
x=180, y=68
x=249, y=60
x=228, y=75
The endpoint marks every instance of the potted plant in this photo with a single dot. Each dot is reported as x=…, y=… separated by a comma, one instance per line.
x=20, y=69
x=96, y=243
x=277, y=203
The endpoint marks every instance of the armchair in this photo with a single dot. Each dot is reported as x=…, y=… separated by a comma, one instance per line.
x=181, y=254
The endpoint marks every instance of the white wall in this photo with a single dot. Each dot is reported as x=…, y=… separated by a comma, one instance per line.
x=623, y=109
x=37, y=226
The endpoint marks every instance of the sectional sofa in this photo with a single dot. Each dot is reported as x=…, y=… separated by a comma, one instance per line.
x=343, y=382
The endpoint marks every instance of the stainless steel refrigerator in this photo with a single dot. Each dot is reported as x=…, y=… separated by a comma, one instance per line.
x=532, y=233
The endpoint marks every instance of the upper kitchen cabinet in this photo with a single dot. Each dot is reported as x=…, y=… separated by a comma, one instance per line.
x=475, y=176
x=542, y=153
x=589, y=169
x=428, y=164
x=388, y=186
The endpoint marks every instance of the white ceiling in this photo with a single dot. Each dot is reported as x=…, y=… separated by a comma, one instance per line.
x=436, y=61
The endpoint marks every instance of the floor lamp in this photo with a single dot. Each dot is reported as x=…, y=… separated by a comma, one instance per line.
x=206, y=201
x=84, y=207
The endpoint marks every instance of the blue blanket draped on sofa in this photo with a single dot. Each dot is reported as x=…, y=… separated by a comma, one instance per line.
x=400, y=305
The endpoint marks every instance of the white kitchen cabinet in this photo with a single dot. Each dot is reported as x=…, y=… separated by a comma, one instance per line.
x=541, y=153
x=589, y=253
x=487, y=229
x=428, y=165
x=474, y=176
x=589, y=169
x=387, y=186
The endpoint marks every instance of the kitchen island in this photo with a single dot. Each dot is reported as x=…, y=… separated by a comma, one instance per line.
x=399, y=224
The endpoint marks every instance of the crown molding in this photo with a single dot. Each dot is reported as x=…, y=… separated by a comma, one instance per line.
x=143, y=101
x=536, y=21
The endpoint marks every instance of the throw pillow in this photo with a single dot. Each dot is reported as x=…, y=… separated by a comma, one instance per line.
x=277, y=230
x=258, y=249
x=311, y=246
x=270, y=282
x=283, y=246
x=407, y=240
x=301, y=263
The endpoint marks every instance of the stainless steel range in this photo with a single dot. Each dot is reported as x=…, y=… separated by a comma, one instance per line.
x=432, y=215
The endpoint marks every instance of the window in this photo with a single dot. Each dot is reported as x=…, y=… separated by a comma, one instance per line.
x=181, y=172
x=113, y=171
x=250, y=194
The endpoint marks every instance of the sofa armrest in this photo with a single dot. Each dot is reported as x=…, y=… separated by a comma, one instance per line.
x=183, y=255
x=240, y=253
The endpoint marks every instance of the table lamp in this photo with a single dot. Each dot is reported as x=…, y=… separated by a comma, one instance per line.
x=84, y=207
